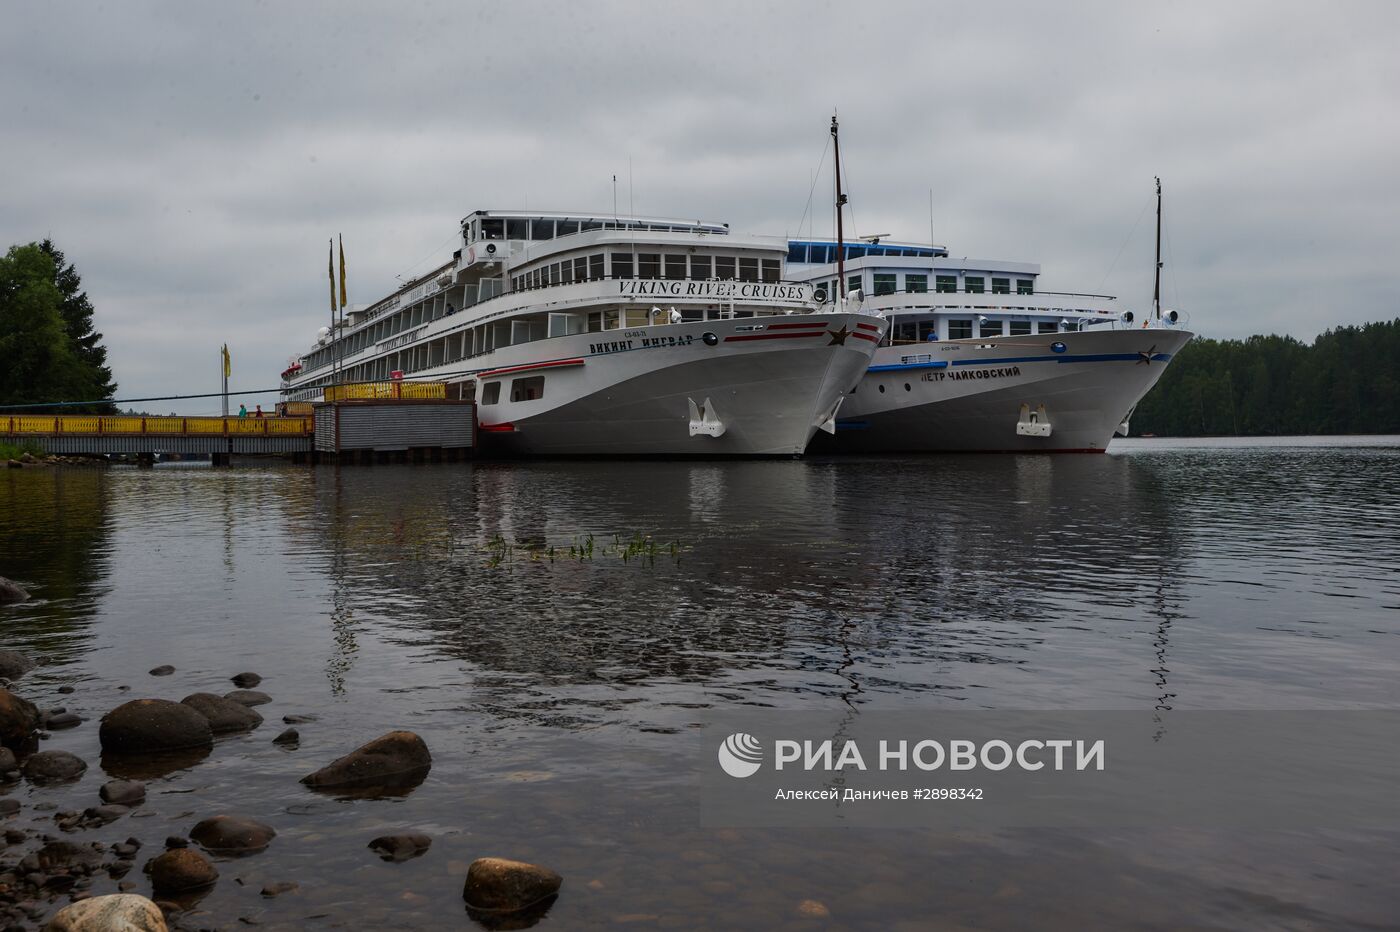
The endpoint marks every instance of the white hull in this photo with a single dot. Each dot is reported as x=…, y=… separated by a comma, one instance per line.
x=966, y=396
x=769, y=381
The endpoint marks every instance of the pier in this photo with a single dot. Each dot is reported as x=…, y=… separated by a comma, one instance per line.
x=363, y=425
x=218, y=437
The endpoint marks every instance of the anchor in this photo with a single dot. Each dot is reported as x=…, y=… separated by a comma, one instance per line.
x=703, y=420
x=1033, y=423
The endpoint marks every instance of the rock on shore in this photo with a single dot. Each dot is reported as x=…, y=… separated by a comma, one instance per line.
x=401, y=847
x=224, y=715
x=13, y=664
x=502, y=885
x=11, y=592
x=18, y=719
x=225, y=834
x=118, y=912
x=398, y=756
x=181, y=869
x=53, y=767
x=153, y=725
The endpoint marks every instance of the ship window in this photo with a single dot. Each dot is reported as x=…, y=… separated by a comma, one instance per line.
x=517, y=229
x=493, y=229
x=748, y=269
x=649, y=265
x=724, y=267
x=1020, y=328
x=975, y=284
x=675, y=267
x=1025, y=286
x=991, y=328
x=566, y=271
x=1047, y=326
x=622, y=265
x=700, y=267
x=1001, y=286
x=595, y=321
x=959, y=329
x=797, y=252
x=945, y=284
x=554, y=274
x=568, y=226
x=855, y=252
x=491, y=393
x=772, y=270
x=928, y=330
x=916, y=284
x=612, y=319
x=853, y=284
x=905, y=332
x=884, y=283
x=595, y=266
x=530, y=388
x=541, y=229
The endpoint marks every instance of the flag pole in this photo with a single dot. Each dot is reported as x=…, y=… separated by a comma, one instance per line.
x=223, y=373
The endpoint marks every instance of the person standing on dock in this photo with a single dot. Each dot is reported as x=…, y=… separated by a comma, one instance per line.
x=242, y=410
x=257, y=412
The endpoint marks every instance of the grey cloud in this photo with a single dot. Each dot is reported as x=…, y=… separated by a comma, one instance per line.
x=194, y=159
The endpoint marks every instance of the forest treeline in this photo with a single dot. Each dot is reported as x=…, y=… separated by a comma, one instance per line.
x=1346, y=382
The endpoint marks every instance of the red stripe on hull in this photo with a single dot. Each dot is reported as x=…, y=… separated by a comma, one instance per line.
x=491, y=373
x=867, y=326
x=504, y=428
x=866, y=336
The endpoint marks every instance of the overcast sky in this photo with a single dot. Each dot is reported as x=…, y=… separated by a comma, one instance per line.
x=193, y=159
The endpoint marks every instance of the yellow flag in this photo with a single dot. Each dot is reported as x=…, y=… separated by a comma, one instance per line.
x=330, y=270
x=228, y=365
x=342, y=270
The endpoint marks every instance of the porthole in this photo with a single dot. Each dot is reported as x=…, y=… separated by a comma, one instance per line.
x=882, y=388
x=907, y=388
x=709, y=338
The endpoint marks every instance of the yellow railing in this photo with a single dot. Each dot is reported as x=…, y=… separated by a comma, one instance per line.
x=86, y=424
x=362, y=391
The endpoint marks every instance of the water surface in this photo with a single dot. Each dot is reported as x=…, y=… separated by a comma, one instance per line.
x=564, y=699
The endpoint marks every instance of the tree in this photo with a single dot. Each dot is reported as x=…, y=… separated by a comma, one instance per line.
x=44, y=360
x=77, y=313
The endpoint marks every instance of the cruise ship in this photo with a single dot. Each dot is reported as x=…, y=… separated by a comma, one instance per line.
x=617, y=335
x=978, y=358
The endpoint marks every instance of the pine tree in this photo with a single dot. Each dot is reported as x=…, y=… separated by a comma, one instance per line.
x=42, y=363
x=77, y=312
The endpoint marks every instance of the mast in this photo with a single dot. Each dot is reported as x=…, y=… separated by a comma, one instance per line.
x=1157, y=269
x=840, y=202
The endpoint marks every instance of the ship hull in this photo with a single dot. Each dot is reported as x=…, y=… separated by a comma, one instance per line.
x=970, y=396
x=766, y=384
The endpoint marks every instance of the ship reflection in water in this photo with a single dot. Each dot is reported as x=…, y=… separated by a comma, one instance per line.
x=561, y=633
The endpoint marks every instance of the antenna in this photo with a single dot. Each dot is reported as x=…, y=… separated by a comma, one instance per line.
x=840, y=201
x=1157, y=269
x=931, y=240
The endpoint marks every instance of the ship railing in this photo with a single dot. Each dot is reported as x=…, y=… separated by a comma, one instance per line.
x=399, y=390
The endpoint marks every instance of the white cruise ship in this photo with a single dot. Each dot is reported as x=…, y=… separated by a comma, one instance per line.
x=978, y=358
x=587, y=335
